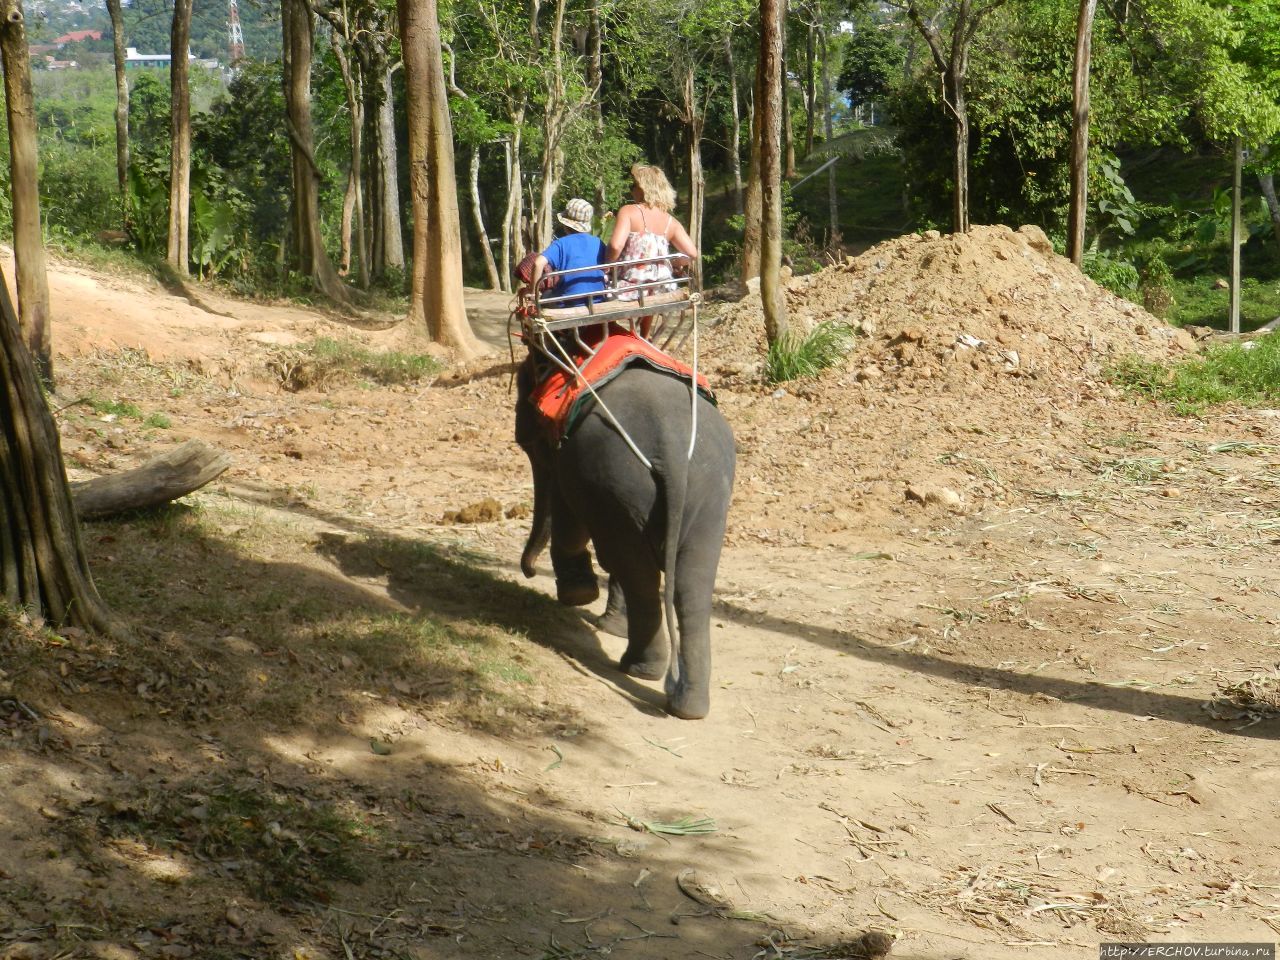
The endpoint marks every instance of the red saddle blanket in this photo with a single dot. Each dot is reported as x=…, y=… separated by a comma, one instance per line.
x=561, y=397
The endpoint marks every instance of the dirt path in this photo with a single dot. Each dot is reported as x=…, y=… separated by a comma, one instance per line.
x=993, y=730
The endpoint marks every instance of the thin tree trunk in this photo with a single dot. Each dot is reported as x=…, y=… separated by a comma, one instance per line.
x=753, y=198
x=436, y=304
x=960, y=205
x=697, y=183
x=810, y=92
x=348, y=225
x=512, y=237
x=179, y=254
x=769, y=119
x=118, y=53
x=477, y=217
x=1267, y=182
x=355, y=182
x=1237, y=168
x=313, y=261
x=788, y=132
x=554, y=117
x=1077, y=212
x=735, y=136
x=24, y=187
x=43, y=570
x=834, y=238
x=388, y=171
x=595, y=79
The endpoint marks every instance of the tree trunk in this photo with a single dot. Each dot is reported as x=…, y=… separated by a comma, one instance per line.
x=435, y=305
x=769, y=119
x=169, y=476
x=312, y=260
x=960, y=169
x=512, y=242
x=595, y=80
x=1237, y=168
x=753, y=198
x=735, y=136
x=1267, y=182
x=477, y=218
x=695, y=122
x=355, y=182
x=43, y=569
x=389, y=185
x=179, y=255
x=24, y=186
x=122, y=106
x=554, y=119
x=834, y=238
x=810, y=91
x=788, y=133
x=1078, y=212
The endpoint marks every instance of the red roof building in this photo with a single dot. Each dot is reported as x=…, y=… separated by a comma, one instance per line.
x=79, y=36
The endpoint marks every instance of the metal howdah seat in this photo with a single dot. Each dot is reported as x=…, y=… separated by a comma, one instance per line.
x=663, y=312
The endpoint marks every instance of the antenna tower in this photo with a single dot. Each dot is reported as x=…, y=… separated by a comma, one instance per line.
x=235, y=34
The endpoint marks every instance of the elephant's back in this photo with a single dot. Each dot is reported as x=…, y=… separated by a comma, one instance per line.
x=655, y=410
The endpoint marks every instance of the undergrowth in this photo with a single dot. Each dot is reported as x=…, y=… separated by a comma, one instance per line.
x=1245, y=373
x=325, y=361
x=796, y=357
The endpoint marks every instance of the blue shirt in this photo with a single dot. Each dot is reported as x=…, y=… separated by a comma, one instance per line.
x=576, y=250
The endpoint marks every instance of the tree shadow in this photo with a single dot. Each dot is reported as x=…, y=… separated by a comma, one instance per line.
x=1127, y=700
x=211, y=790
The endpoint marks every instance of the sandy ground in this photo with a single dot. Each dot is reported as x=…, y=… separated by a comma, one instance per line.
x=975, y=651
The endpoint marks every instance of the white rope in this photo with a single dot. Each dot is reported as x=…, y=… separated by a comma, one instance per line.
x=569, y=365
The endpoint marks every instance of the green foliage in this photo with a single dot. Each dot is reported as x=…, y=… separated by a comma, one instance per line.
x=1245, y=373
x=872, y=58
x=796, y=357
x=1156, y=285
x=1110, y=269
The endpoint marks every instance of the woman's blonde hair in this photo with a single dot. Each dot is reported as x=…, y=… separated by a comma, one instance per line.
x=654, y=186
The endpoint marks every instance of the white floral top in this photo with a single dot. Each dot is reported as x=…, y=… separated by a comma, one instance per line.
x=644, y=246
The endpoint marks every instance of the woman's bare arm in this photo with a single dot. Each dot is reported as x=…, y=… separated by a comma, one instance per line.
x=681, y=241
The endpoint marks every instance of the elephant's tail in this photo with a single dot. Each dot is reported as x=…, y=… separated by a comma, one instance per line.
x=676, y=491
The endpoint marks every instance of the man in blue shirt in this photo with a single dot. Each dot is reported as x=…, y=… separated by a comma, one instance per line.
x=575, y=246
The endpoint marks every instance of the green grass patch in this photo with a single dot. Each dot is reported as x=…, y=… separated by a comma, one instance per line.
x=127, y=410
x=324, y=362
x=796, y=357
x=1245, y=373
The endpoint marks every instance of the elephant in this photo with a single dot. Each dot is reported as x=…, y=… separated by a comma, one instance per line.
x=657, y=531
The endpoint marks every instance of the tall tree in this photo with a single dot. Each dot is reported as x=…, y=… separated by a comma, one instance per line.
x=435, y=304
x=1076, y=214
x=118, y=53
x=43, y=569
x=180, y=138
x=769, y=119
x=752, y=200
x=24, y=186
x=950, y=55
x=298, y=29
x=833, y=196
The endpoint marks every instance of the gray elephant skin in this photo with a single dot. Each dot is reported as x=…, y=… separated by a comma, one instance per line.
x=658, y=533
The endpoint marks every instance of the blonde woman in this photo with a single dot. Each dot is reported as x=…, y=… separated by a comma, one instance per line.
x=646, y=229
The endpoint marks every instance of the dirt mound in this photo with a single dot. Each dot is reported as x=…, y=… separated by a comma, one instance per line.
x=995, y=303
x=976, y=355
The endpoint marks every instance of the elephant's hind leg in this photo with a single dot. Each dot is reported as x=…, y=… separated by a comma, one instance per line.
x=647, y=654
x=614, y=619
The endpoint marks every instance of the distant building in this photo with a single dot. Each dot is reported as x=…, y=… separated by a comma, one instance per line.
x=78, y=36
x=133, y=60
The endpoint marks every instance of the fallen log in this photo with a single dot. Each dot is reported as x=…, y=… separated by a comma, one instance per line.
x=171, y=475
